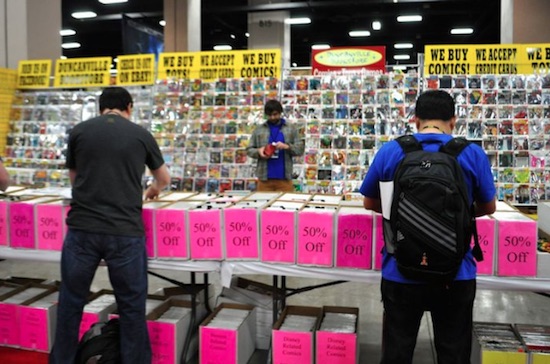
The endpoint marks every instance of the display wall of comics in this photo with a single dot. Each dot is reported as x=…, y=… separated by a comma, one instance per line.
x=509, y=116
x=203, y=128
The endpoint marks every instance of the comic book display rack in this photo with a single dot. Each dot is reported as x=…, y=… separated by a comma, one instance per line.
x=203, y=128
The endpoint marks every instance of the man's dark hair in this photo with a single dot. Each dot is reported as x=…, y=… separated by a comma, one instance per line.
x=115, y=98
x=271, y=106
x=435, y=105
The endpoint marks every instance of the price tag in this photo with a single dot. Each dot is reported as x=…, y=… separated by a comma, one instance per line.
x=241, y=233
x=170, y=233
x=315, y=238
x=354, y=241
x=278, y=238
x=205, y=235
x=22, y=225
x=517, y=248
x=49, y=218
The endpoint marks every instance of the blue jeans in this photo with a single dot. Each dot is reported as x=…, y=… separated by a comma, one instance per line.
x=127, y=265
x=451, y=308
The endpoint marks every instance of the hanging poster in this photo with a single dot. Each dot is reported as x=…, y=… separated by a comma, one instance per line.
x=135, y=69
x=82, y=72
x=34, y=73
x=487, y=59
x=212, y=65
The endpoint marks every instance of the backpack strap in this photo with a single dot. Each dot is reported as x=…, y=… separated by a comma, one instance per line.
x=409, y=143
x=454, y=146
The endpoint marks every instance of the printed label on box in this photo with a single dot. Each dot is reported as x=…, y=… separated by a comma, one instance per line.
x=315, y=238
x=517, y=248
x=22, y=225
x=218, y=345
x=292, y=347
x=277, y=233
x=205, y=235
x=9, y=324
x=34, y=332
x=170, y=232
x=241, y=234
x=354, y=242
x=50, y=226
x=163, y=342
x=336, y=348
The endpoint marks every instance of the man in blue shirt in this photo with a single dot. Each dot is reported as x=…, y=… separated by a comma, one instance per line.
x=273, y=144
x=406, y=300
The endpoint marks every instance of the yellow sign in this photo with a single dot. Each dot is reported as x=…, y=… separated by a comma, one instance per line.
x=34, y=73
x=137, y=69
x=82, y=72
x=215, y=64
x=487, y=59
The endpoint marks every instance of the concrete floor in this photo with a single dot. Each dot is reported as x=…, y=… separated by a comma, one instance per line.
x=490, y=305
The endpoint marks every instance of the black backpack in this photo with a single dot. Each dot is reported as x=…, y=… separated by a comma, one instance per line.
x=431, y=222
x=100, y=344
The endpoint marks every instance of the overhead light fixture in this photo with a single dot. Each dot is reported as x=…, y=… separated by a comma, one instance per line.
x=399, y=67
x=461, y=31
x=359, y=33
x=223, y=47
x=162, y=23
x=297, y=21
x=294, y=64
x=232, y=36
x=409, y=18
x=84, y=15
x=108, y=2
x=376, y=25
x=402, y=45
x=67, y=32
x=63, y=57
x=320, y=46
x=401, y=57
x=247, y=34
x=70, y=45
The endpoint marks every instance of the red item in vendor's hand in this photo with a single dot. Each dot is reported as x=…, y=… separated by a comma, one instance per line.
x=269, y=150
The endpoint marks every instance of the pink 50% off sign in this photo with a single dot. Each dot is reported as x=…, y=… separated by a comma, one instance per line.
x=278, y=236
x=517, y=252
x=315, y=238
x=205, y=235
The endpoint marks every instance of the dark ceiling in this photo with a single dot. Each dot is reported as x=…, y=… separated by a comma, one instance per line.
x=331, y=20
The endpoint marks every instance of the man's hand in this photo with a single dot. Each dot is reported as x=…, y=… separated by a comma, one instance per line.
x=261, y=153
x=281, y=145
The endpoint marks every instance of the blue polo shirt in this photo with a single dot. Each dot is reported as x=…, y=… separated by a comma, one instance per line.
x=477, y=173
x=276, y=166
